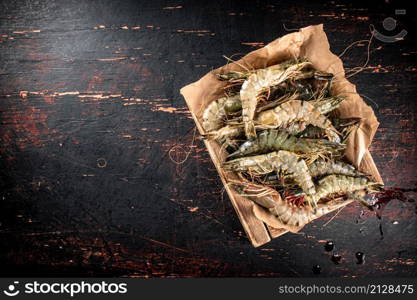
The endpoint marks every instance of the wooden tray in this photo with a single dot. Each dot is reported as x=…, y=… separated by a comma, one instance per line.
x=312, y=43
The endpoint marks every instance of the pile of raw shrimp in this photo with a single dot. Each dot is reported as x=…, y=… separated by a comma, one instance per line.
x=285, y=141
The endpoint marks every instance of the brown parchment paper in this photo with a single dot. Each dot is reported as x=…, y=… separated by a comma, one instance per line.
x=310, y=42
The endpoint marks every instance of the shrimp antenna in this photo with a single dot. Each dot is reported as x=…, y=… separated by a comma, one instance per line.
x=289, y=29
x=234, y=61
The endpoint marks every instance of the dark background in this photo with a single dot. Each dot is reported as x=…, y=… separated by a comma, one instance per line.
x=90, y=107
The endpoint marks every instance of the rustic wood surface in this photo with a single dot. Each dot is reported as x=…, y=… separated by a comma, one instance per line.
x=92, y=119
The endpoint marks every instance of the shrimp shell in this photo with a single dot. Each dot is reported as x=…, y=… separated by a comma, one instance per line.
x=324, y=106
x=259, y=81
x=273, y=140
x=274, y=161
x=215, y=113
x=279, y=213
x=341, y=184
x=270, y=206
x=324, y=167
x=296, y=110
x=291, y=217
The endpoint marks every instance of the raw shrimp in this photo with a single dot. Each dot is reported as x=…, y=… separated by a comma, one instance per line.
x=341, y=184
x=324, y=167
x=273, y=140
x=215, y=113
x=289, y=216
x=274, y=161
x=296, y=110
x=258, y=82
x=324, y=106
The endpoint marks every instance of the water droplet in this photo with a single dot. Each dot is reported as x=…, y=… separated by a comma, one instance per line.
x=360, y=256
x=316, y=269
x=329, y=246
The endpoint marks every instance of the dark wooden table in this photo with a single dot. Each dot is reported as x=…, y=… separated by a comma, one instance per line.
x=90, y=108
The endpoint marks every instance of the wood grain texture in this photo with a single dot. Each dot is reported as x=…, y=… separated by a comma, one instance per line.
x=90, y=110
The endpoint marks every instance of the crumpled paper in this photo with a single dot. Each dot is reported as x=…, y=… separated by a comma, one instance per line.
x=310, y=42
